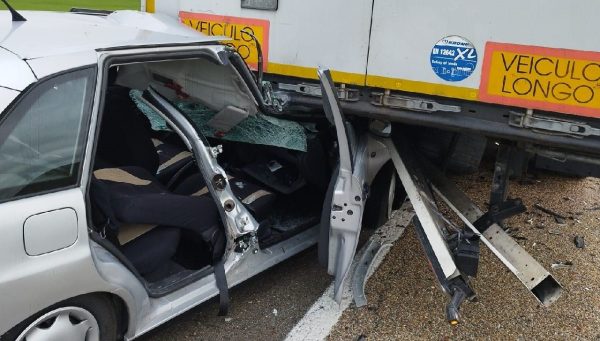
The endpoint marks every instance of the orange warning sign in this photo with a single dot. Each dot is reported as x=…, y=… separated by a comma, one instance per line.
x=234, y=28
x=560, y=80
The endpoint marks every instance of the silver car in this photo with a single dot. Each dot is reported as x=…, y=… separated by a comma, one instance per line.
x=144, y=169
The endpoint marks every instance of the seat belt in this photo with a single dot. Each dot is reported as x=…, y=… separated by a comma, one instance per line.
x=214, y=237
x=221, y=279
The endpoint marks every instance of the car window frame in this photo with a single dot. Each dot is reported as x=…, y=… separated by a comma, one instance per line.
x=92, y=75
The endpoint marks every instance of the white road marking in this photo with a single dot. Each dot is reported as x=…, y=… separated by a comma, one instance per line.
x=325, y=312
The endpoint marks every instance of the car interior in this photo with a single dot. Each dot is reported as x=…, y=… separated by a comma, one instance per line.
x=148, y=197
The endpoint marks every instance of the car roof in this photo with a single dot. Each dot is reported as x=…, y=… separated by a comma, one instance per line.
x=52, y=33
x=55, y=34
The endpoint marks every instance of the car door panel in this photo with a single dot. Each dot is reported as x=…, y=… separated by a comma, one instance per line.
x=43, y=224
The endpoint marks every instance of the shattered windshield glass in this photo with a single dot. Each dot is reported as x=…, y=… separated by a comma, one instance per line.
x=258, y=129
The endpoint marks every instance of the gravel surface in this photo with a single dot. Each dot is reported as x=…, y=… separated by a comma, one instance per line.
x=405, y=302
x=265, y=307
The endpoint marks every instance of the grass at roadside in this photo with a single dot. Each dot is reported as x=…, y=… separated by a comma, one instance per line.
x=65, y=5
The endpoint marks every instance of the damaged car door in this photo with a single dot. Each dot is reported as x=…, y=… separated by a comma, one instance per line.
x=344, y=203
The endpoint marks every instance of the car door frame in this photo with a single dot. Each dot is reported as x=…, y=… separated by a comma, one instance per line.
x=345, y=201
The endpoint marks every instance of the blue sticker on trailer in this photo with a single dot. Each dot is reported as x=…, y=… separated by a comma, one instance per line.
x=453, y=58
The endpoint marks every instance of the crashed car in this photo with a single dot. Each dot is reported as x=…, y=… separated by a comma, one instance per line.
x=143, y=172
x=144, y=169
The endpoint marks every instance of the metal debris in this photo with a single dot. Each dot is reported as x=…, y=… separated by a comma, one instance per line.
x=559, y=218
x=405, y=314
x=555, y=232
x=579, y=242
x=562, y=265
x=275, y=312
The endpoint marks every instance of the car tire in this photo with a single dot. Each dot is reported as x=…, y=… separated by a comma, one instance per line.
x=96, y=311
x=382, y=198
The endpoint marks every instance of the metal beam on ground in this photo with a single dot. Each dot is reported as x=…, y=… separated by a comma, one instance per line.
x=529, y=271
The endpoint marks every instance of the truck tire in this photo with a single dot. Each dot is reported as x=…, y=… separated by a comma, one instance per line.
x=464, y=158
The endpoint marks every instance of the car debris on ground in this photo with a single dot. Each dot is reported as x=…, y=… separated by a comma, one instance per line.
x=559, y=218
x=579, y=242
x=561, y=265
x=404, y=306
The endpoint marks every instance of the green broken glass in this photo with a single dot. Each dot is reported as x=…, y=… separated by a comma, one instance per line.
x=257, y=129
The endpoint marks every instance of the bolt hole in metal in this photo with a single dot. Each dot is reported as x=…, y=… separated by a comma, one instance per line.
x=219, y=182
x=67, y=323
x=229, y=205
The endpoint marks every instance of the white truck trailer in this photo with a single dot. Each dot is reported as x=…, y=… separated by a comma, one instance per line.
x=525, y=74
x=520, y=71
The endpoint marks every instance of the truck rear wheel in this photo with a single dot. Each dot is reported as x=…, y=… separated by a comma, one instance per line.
x=461, y=153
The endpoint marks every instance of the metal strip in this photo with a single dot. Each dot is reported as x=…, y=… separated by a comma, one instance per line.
x=420, y=197
x=395, y=101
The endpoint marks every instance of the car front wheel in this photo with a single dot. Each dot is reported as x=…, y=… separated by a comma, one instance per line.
x=85, y=318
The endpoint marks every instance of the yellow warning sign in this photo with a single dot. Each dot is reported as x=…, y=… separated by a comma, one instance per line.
x=559, y=80
x=235, y=28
